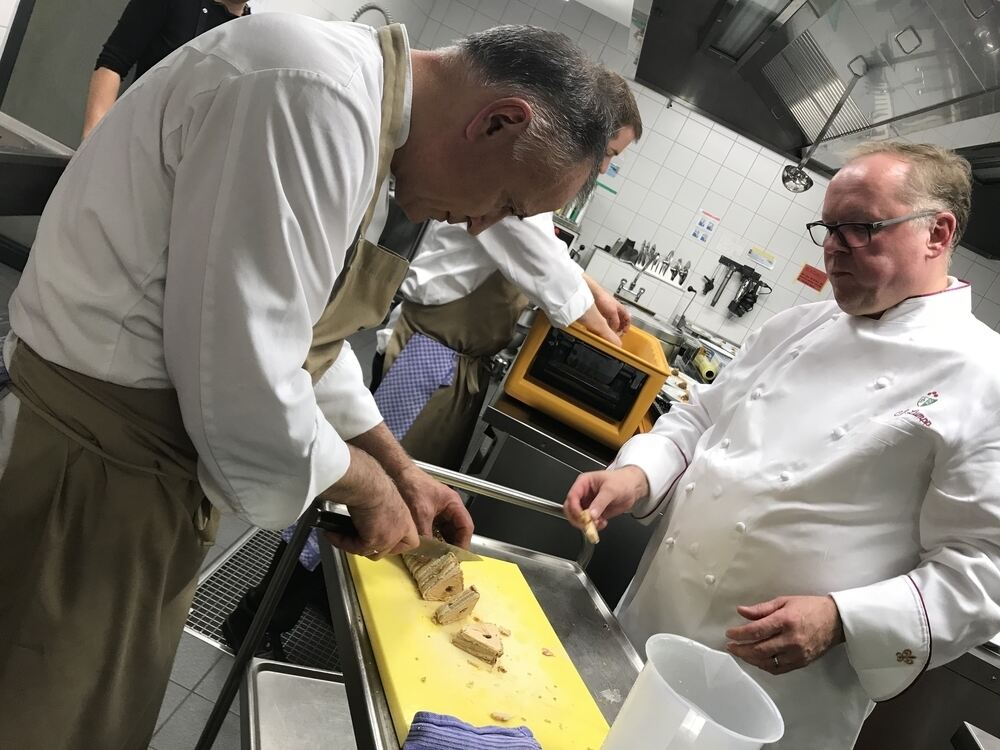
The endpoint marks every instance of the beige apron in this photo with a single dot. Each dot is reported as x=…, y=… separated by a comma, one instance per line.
x=111, y=523
x=476, y=326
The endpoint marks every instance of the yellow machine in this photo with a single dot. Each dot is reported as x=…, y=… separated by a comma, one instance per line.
x=599, y=389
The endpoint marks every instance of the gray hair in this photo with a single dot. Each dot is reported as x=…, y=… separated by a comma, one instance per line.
x=938, y=178
x=571, y=120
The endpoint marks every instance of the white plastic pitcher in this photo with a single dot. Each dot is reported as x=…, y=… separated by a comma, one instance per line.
x=692, y=697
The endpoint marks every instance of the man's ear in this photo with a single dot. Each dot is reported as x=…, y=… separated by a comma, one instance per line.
x=506, y=118
x=941, y=233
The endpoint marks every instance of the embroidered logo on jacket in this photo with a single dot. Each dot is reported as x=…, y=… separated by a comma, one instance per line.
x=931, y=398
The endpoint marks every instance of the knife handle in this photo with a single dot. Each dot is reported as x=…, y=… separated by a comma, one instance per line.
x=331, y=521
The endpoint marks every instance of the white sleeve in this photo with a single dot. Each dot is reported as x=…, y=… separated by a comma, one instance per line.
x=268, y=194
x=533, y=259
x=665, y=453
x=950, y=601
x=345, y=399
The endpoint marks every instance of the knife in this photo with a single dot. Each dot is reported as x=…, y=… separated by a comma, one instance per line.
x=331, y=520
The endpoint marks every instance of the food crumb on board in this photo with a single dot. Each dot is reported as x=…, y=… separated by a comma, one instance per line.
x=469, y=684
x=502, y=669
x=505, y=632
x=501, y=716
x=547, y=652
x=423, y=679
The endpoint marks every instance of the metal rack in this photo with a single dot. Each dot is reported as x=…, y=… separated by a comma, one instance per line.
x=561, y=586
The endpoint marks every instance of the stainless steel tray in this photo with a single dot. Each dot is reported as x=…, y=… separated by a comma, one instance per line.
x=288, y=707
x=595, y=641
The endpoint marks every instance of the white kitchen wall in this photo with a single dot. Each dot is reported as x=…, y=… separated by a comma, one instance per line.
x=7, y=10
x=413, y=13
x=684, y=163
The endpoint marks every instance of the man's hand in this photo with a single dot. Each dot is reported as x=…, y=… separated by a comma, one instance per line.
x=431, y=503
x=595, y=322
x=434, y=505
x=613, y=311
x=787, y=633
x=605, y=494
x=382, y=519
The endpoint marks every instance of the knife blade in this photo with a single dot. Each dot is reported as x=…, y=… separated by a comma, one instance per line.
x=331, y=520
x=434, y=547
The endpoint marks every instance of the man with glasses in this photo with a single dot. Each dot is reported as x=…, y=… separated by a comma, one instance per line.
x=833, y=499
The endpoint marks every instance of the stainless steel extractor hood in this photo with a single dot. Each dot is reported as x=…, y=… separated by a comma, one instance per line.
x=933, y=69
x=924, y=56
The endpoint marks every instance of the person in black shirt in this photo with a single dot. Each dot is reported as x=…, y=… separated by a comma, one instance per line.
x=148, y=31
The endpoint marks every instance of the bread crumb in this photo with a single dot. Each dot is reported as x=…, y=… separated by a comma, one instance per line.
x=547, y=652
x=502, y=668
x=504, y=631
x=501, y=716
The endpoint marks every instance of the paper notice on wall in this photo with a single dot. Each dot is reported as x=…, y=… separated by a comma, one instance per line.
x=812, y=277
x=612, y=179
x=761, y=257
x=703, y=226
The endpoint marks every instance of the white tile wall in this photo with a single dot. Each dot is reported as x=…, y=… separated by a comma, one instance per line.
x=7, y=10
x=684, y=163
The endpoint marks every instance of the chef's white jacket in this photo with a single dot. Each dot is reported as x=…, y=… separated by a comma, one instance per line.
x=450, y=264
x=195, y=238
x=835, y=455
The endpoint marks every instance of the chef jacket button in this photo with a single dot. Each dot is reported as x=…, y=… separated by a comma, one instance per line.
x=694, y=548
x=838, y=433
x=717, y=491
x=882, y=382
x=725, y=443
x=784, y=476
x=709, y=579
x=669, y=541
x=689, y=488
x=757, y=392
x=741, y=527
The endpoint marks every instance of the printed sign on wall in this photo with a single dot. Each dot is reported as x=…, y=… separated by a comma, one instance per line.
x=812, y=277
x=703, y=226
x=761, y=257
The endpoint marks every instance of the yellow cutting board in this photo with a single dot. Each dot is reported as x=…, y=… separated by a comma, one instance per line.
x=422, y=671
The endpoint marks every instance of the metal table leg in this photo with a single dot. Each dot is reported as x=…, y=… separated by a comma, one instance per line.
x=273, y=594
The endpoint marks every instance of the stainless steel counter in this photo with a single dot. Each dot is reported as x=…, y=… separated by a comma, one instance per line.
x=30, y=165
x=599, y=649
x=529, y=451
x=548, y=435
x=288, y=707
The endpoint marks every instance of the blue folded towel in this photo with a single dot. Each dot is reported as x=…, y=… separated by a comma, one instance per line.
x=438, y=732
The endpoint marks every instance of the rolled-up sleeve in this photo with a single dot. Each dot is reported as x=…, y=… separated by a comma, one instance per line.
x=533, y=259
x=345, y=399
x=275, y=173
x=950, y=602
x=136, y=29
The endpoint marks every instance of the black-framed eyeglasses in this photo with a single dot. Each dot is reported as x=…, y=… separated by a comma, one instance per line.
x=855, y=234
